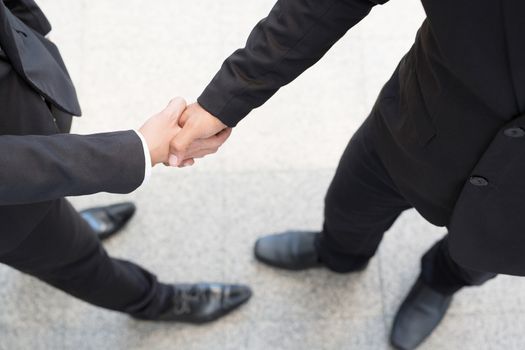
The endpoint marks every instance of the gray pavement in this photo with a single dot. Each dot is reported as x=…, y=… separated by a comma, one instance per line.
x=128, y=58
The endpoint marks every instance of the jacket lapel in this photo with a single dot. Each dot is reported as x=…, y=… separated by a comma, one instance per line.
x=38, y=61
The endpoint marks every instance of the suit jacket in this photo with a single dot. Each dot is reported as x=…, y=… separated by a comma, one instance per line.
x=450, y=128
x=39, y=161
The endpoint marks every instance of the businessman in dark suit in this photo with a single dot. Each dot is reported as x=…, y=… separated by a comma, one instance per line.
x=41, y=234
x=446, y=136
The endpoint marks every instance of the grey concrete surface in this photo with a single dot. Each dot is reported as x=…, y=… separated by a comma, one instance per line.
x=128, y=58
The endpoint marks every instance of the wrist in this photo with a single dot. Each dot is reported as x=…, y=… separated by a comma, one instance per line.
x=148, y=153
x=147, y=157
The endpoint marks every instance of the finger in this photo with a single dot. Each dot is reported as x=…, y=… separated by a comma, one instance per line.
x=198, y=145
x=174, y=163
x=184, y=118
x=175, y=108
x=214, y=141
x=173, y=160
x=223, y=135
x=202, y=153
x=187, y=162
x=181, y=142
x=201, y=144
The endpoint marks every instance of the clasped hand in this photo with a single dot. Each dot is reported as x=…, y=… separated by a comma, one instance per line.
x=179, y=134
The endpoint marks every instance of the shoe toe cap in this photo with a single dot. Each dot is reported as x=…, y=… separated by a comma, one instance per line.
x=122, y=211
x=218, y=300
x=419, y=314
x=291, y=250
x=235, y=295
x=266, y=248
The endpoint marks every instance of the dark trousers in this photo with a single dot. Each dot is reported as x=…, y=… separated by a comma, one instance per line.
x=362, y=203
x=63, y=252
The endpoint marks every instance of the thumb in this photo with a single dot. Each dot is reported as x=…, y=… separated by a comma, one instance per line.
x=181, y=142
x=175, y=108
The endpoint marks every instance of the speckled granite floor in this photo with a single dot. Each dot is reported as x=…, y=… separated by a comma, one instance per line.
x=128, y=59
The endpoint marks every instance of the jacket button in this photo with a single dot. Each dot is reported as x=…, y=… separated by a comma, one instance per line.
x=514, y=132
x=478, y=181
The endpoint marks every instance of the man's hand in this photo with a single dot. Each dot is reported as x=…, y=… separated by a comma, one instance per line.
x=159, y=130
x=201, y=134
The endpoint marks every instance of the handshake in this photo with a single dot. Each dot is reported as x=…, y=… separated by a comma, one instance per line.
x=179, y=134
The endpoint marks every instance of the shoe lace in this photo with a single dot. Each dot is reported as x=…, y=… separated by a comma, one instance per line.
x=183, y=300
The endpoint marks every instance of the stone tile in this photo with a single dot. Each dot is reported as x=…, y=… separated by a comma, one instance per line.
x=176, y=231
x=114, y=333
x=458, y=332
x=148, y=67
x=390, y=31
x=28, y=302
x=151, y=54
x=474, y=331
x=171, y=62
x=197, y=224
x=31, y=337
x=139, y=335
x=504, y=331
x=508, y=291
x=478, y=331
x=399, y=257
x=310, y=121
x=316, y=295
x=271, y=203
x=69, y=27
x=355, y=333
x=400, y=253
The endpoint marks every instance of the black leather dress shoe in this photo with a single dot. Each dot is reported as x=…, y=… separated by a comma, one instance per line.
x=106, y=221
x=204, y=302
x=419, y=314
x=290, y=250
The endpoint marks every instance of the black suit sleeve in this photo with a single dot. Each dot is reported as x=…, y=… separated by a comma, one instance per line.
x=294, y=36
x=40, y=168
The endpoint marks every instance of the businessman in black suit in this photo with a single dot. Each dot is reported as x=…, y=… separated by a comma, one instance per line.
x=446, y=136
x=41, y=234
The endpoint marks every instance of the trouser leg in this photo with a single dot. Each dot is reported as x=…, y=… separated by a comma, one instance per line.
x=361, y=204
x=443, y=274
x=63, y=252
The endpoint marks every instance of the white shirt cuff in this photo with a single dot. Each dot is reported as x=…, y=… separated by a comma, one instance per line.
x=147, y=157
